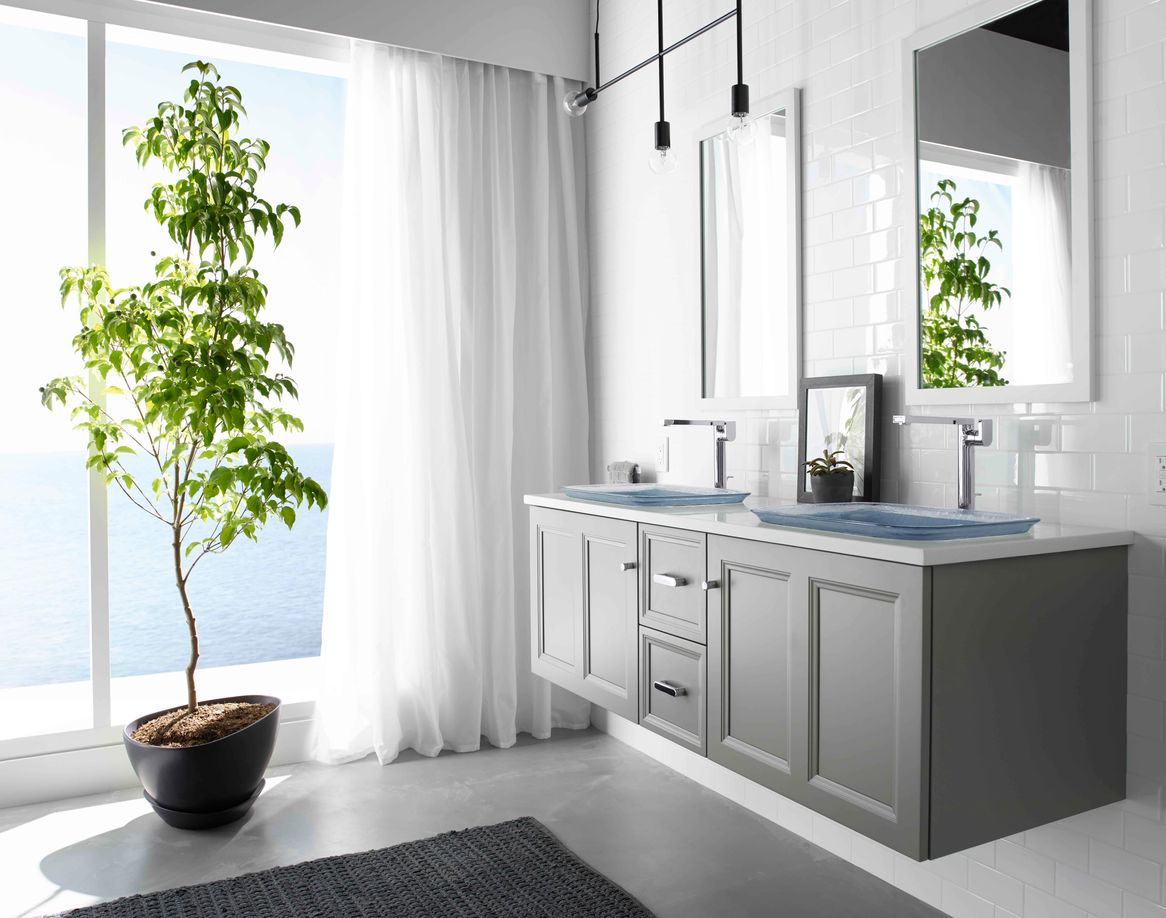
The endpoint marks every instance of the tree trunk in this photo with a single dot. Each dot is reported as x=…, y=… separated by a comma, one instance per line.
x=191, y=697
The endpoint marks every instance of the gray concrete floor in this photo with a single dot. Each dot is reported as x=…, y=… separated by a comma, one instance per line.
x=681, y=849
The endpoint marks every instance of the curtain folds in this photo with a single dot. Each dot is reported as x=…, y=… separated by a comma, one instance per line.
x=1042, y=277
x=462, y=310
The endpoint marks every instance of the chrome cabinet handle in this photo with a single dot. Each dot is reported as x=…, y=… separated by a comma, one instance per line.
x=627, y=565
x=662, y=685
x=710, y=585
x=669, y=580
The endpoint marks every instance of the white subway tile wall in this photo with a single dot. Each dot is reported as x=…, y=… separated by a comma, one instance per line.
x=1083, y=463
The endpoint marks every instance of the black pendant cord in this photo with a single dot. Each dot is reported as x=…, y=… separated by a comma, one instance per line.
x=660, y=59
x=597, y=81
x=740, y=45
x=593, y=92
x=739, y=103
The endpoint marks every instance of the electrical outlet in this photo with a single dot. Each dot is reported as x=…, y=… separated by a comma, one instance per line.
x=662, y=455
x=1158, y=474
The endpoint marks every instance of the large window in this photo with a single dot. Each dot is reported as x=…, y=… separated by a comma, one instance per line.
x=84, y=647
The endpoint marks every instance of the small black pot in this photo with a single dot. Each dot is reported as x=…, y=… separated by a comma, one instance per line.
x=835, y=488
x=199, y=787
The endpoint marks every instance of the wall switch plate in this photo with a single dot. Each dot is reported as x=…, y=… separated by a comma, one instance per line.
x=1158, y=474
x=662, y=455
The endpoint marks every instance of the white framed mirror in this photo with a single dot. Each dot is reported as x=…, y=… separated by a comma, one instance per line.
x=999, y=130
x=751, y=293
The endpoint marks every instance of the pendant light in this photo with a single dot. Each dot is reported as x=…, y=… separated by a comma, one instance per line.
x=741, y=130
x=663, y=159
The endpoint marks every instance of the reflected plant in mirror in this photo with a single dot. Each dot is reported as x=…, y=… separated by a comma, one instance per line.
x=955, y=271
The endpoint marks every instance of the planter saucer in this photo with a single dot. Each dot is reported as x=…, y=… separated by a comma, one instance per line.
x=181, y=819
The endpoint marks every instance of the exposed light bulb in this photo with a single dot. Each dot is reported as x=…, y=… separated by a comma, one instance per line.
x=742, y=131
x=575, y=102
x=663, y=161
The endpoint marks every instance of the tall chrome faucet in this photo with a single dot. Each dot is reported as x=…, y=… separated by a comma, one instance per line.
x=723, y=431
x=972, y=433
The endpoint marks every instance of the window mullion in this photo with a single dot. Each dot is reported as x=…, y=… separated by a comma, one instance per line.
x=99, y=658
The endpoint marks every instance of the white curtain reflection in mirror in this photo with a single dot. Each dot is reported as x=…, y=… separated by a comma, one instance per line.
x=746, y=299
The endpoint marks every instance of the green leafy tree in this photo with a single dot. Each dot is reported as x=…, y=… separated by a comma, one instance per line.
x=182, y=370
x=954, y=266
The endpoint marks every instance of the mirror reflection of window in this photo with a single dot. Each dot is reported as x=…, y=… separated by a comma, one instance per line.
x=836, y=422
x=994, y=203
x=746, y=310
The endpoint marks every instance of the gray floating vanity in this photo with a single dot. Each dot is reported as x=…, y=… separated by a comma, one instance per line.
x=930, y=696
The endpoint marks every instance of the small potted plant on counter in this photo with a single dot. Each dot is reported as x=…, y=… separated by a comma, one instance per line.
x=181, y=410
x=831, y=478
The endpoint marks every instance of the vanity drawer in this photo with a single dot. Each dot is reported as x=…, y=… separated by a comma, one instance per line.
x=672, y=563
x=672, y=688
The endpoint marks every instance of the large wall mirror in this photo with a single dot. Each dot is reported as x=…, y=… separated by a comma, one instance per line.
x=1000, y=160
x=750, y=242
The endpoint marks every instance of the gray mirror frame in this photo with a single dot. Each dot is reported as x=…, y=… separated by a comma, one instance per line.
x=1082, y=387
x=789, y=101
x=872, y=471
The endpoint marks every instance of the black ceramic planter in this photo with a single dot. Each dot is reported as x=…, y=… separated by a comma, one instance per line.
x=199, y=787
x=835, y=488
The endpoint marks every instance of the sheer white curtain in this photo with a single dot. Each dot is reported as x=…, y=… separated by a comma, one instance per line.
x=462, y=310
x=1042, y=281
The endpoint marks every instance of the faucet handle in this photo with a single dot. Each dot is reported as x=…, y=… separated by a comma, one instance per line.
x=983, y=436
x=724, y=430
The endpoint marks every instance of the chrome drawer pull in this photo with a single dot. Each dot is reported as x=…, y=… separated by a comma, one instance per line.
x=627, y=565
x=710, y=585
x=662, y=685
x=669, y=580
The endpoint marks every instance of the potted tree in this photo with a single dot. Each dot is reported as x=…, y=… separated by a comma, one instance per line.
x=182, y=371
x=831, y=478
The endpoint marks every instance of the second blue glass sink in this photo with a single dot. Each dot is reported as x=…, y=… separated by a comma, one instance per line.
x=655, y=495
x=897, y=521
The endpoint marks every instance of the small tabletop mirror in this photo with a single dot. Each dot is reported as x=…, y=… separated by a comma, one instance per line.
x=841, y=415
x=749, y=240
x=1000, y=144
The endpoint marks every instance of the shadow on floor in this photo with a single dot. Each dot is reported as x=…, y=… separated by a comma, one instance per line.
x=136, y=857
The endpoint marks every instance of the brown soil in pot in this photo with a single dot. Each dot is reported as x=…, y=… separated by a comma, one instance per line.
x=208, y=722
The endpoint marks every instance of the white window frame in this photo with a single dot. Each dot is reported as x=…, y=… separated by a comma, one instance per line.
x=1082, y=387
x=333, y=54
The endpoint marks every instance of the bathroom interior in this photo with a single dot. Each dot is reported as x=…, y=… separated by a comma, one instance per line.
x=667, y=458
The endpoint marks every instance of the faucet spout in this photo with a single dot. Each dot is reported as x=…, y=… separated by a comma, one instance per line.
x=972, y=433
x=723, y=432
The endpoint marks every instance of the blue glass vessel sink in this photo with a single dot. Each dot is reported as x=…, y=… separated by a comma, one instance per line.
x=897, y=521
x=655, y=495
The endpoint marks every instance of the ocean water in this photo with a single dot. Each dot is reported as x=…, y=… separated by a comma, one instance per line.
x=255, y=603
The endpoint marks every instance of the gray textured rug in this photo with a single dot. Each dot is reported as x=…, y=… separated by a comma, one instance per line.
x=515, y=868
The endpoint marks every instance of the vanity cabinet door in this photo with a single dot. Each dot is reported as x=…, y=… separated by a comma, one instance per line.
x=584, y=606
x=865, y=625
x=817, y=682
x=756, y=662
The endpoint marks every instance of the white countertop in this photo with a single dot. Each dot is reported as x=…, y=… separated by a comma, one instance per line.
x=736, y=520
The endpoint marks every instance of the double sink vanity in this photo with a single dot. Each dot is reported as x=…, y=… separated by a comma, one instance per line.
x=933, y=680
x=931, y=695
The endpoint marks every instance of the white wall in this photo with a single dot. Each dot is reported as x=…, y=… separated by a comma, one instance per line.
x=1080, y=462
x=546, y=36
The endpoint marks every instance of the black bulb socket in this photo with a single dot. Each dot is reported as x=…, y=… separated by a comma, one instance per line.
x=663, y=135
x=740, y=100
